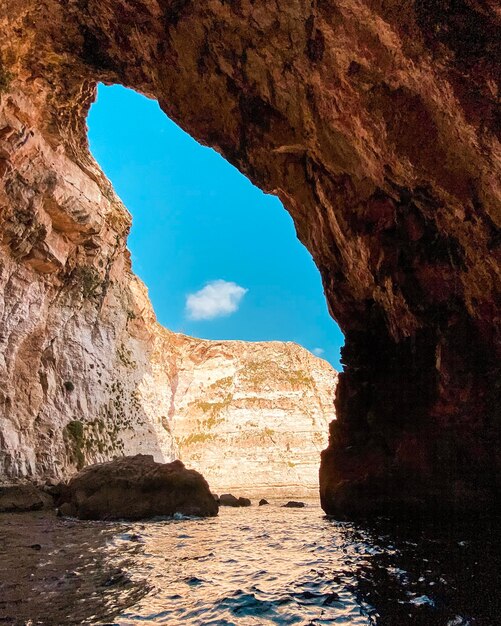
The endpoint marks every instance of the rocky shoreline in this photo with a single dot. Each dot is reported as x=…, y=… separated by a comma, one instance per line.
x=127, y=488
x=24, y=496
x=132, y=488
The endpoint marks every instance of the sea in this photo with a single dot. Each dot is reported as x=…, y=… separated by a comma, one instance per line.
x=256, y=565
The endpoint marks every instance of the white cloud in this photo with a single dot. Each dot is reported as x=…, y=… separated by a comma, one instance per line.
x=318, y=351
x=217, y=299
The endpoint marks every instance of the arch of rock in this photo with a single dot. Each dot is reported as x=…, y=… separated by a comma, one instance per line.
x=377, y=124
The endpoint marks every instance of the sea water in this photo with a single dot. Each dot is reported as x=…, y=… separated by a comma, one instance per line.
x=248, y=566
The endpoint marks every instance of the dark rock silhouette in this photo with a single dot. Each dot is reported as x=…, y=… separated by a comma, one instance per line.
x=228, y=499
x=22, y=497
x=136, y=487
x=293, y=504
x=263, y=502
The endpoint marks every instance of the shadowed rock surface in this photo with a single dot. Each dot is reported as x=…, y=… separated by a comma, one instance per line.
x=22, y=497
x=136, y=488
x=228, y=499
x=376, y=123
x=293, y=504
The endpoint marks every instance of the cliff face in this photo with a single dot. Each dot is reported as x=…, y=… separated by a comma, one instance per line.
x=75, y=325
x=87, y=373
x=376, y=123
x=252, y=417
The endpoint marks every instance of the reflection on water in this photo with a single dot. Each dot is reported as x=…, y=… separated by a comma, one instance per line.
x=247, y=566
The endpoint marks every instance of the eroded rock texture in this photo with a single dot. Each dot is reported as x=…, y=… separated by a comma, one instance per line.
x=87, y=373
x=377, y=124
x=135, y=487
x=251, y=417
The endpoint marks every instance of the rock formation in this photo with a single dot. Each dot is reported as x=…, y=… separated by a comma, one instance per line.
x=293, y=504
x=376, y=123
x=23, y=496
x=228, y=499
x=251, y=417
x=136, y=487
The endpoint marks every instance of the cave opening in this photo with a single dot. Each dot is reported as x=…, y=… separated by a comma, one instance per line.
x=376, y=153
x=198, y=220
x=377, y=130
x=222, y=262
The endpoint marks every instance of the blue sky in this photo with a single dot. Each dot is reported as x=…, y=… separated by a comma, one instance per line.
x=220, y=258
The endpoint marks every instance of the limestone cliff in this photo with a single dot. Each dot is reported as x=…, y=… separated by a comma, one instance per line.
x=252, y=417
x=376, y=123
x=87, y=373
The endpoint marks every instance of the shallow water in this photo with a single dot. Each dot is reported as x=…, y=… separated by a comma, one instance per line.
x=259, y=565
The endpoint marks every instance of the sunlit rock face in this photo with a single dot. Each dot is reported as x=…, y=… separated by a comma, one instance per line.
x=88, y=374
x=251, y=417
x=376, y=124
x=75, y=325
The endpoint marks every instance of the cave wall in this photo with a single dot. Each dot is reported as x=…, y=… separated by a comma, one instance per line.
x=377, y=124
x=76, y=327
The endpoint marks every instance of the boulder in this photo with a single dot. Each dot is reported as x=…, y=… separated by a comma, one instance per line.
x=228, y=499
x=15, y=497
x=292, y=504
x=136, y=487
x=262, y=502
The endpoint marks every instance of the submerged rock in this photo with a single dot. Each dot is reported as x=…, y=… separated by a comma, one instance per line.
x=136, y=487
x=17, y=497
x=228, y=499
x=262, y=502
x=292, y=504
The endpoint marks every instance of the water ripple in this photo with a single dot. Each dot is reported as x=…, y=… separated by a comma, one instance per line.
x=258, y=565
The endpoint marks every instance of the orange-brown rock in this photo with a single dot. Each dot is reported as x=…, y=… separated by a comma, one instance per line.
x=377, y=124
